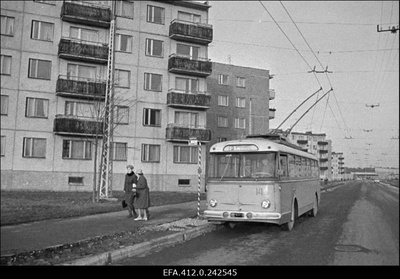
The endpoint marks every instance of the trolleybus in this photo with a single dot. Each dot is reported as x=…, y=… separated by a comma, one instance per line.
x=262, y=178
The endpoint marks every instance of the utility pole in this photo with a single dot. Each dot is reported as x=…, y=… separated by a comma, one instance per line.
x=108, y=125
x=393, y=29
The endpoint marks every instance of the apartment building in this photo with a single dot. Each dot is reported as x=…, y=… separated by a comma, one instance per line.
x=338, y=172
x=317, y=144
x=239, y=102
x=54, y=57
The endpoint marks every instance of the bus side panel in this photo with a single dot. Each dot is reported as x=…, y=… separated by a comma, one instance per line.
x=286, y=197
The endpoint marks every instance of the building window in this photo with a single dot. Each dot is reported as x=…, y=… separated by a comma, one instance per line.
x=4, y=104
x=120, y=149
x=5, y=65
x=223, y=79
x=186, y=119
x=37, y=107
x=187, y=85
x=124, y=9
x=221, y=139
x=155, y=14
x=150, y=153
x=42, y=30
x=3, y=146
x=40, y=69
x=34, y=148
x=223, y=100
x=81, y=109
x=240, y=123
x=77, y=149
x=7, y=25
x=121, y=115
x=184, y=182
x=189, y=17
x=186, y=154
x=153, y=82
x=123, y=43
x=191, y=52
x=222, y=121
x=84, y=34
x=152, y=117
x=240, y=82
x=122, y=78
x=75, y=180
x=154, y=48
x=81, y=72
x=240, y=102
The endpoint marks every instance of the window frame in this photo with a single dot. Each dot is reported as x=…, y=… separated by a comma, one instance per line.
x=39, y=26
x=221, y=79
x=34, y=114
x=148, y=78
x=239, y=121
x=239, y=81
x=118, y=43
x=86, y=143
x=121, y=117
x=2, y=146
x=147, y=115
x=31, y=146
x=193, y=154
x=37, y=68
x=225, y=120
x=122, y=8
x=150, y=14
x=221, y=99
x=5, y=99
x=151, y=51
x=239, y=101
x=117, y=71
x=145, y=153
x=124, y=147
x=7, y=18
x=2, y=62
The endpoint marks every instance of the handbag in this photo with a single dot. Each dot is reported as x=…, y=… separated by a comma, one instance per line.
x=124, y=204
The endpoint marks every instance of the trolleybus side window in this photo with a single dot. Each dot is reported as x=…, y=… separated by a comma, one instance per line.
x=292, y=166
x=283, y=165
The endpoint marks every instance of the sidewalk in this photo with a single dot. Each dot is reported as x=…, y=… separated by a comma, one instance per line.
x=44, y=234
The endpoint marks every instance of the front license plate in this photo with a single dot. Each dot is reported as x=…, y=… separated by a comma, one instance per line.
x=237, y=214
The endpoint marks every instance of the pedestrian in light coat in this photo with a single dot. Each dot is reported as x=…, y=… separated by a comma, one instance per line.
x=142, y=199
x=130, y=190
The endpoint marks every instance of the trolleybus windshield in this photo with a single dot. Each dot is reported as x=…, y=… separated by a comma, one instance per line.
x=243, y=165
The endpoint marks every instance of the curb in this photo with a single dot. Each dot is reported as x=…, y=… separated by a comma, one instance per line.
x=144, y=247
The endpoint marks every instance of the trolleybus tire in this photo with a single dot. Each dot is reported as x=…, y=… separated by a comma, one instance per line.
x=293, y=215
x=314, y=211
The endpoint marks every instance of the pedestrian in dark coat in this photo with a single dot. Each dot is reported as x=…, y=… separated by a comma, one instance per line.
x=142, y=199
x=130, y=190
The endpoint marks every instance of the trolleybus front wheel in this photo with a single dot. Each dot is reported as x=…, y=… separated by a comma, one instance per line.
x=314, y=211
x=293, y=215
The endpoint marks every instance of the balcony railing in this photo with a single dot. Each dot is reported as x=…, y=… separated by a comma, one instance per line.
x=271, y=113
x=272, y=94
x=176, y=98
x=178, y=133
x=81, y=88
x=74, y=126
x=85, y=51
x=322, y=143
x=193, y=32
x=323, y=151
x=99, y=16
x=323, y=168
x=181, y=64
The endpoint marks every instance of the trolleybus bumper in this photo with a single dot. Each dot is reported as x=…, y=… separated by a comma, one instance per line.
x=242, y=216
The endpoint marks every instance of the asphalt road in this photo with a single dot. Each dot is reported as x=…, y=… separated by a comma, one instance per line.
x=357, y=224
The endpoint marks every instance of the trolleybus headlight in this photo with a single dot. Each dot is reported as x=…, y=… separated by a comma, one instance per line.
x=213, y=203
x=265, y=204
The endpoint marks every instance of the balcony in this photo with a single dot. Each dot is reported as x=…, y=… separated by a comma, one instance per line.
x=271, y=113
x=322, y=143
x=302, y=141
x=272, y=94
x=73, y=126
x=181, y=64
x=323, y=151
x=99, y=16
x=177, y=133
x=192, y=32
x=80, y=88
x=179, y=99
x=79, y=50
x=323, y=160
x=323, y=168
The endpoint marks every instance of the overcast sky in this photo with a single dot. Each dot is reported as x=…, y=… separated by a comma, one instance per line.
x=343, y=37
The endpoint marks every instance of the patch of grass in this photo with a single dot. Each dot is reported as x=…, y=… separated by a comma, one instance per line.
x=29, y=206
